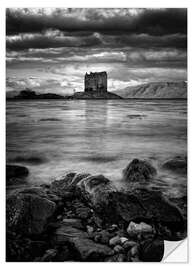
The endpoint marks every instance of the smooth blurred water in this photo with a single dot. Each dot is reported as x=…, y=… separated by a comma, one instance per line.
x=54, y=137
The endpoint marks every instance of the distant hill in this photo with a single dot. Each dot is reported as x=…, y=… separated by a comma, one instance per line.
x=155, y=90
x=94, y=95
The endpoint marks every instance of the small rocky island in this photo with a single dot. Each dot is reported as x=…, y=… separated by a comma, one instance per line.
x=29, y=94
x=83, y=217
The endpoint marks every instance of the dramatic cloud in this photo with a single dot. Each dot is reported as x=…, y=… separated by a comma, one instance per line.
x=57, y=46
x=150, y=21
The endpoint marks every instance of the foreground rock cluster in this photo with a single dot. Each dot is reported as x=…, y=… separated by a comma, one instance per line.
x=82, y=217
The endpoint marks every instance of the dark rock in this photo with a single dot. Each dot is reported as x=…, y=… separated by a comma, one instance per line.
x=63, y=254
x=22, y=249
x=95, y=221
x=15, y=181
x=118, y=249
x=134, y=250
x=66, y=183
x=15, y=174
x=104, y=237
x=116, y=240
x=135, y=259
x=160, y=210
x=45, y=186
x=138, y=170
x=181, y=203
x=144, y=205
x=54, y=198
x=128, y=256
x=81, y=210
x=96, y=190
x=116, y=258
x=74, y=222
x=139, y=205
x=37, y=248
x=129, y=244
x=89, y=250
x=65, y=233
x=28, y=213
x=85, y=249
x=151, y=250
x=177, y=165
x=49, y=255
x=133, y=254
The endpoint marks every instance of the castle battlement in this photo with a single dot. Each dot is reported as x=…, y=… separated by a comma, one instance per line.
x=95, y=81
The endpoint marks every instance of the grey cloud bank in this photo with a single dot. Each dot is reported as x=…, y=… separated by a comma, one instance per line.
x=65, y=43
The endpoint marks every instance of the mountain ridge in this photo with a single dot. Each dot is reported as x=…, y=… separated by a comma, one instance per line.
x=158, y=90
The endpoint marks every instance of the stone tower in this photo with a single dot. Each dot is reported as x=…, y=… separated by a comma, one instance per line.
x=95, y=81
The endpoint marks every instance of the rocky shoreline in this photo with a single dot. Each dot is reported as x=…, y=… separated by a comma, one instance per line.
x=83, y=217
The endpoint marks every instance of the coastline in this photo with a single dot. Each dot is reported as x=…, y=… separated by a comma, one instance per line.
x=83, y=217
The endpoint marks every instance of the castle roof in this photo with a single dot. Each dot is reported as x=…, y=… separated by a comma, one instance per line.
x=96, y=73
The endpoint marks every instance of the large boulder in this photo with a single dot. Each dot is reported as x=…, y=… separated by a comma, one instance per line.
x=66, y=183
x=160, y=209
x=139, y=170
x=16, y=174
x=142, y=228
x=84, y=249
x=177, y=164
x=28, y=213
x=96, y=189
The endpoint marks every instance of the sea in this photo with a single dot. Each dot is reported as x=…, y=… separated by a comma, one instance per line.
x=54, y=137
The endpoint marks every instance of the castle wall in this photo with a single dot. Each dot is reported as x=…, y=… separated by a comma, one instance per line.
x=96, y=82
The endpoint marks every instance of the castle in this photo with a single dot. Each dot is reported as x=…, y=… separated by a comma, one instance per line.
x=95, y=82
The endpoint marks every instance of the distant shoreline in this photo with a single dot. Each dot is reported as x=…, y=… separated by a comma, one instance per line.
x=19, y=99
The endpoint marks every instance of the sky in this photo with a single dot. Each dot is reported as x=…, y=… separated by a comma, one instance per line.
x=51, y=49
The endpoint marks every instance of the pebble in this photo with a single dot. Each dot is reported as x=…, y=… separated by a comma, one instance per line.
x=115, y=241
x=97, y=238
x=123, y=240
x=129, y=244
x=105, y=235
x=134, y=250
x=135, y=259
x=118, y=249
x=90, y=229
x=113, y=228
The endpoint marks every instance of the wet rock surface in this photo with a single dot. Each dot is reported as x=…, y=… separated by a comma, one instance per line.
x=80, y=217
x=139, y=170
x=28, y=213
x=16, y=174
x=177, y=164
